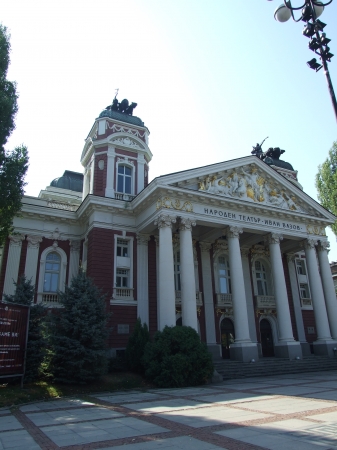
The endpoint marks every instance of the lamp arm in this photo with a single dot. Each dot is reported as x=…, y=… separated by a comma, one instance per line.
x=288, y=4
x=319, y=3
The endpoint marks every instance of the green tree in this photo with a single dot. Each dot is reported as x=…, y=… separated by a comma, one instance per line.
x=24, y=295
x=176, y=357
x=13, y=164
x=78, y=333
x=136, y=347
x=326, y=183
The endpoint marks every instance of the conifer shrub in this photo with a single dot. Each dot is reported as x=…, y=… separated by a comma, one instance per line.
x=176, y=358
x=78, y=333
x=36, y=343
x=136, y=347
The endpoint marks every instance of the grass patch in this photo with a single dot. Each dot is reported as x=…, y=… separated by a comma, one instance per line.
x=11, y=393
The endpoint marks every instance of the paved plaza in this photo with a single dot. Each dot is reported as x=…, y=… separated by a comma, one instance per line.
x=284, y=412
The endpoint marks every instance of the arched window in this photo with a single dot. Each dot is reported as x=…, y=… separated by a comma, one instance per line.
x=124, y=179
x=262, y=279
x=224, y=275
x=52, y=273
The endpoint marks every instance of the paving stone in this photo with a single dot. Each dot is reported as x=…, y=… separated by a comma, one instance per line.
x=55, y=404
x=9, y=423
x=179, y=443
x=165, y=405
x=131, y=397
x=18, y=440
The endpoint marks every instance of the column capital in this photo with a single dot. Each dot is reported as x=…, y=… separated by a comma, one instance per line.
x=186, y=224
x=75, y=245
x=34, y=241
x=205, y=246
x=234, y=232
x=309, y=244
x=16, y=240
x=324, y=246
x=165, y=220
x=244, y=252
x=274, y=238
x=290, y=257
x=142, y=239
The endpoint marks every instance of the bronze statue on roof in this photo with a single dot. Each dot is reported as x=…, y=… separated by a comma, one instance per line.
x=123, y=107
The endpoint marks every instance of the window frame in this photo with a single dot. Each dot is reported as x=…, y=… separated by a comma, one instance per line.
x=130, y=165
x=42, y=268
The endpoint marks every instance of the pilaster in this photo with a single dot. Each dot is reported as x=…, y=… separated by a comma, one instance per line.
x=109, y=190
x=13, y=261
x=32, y=257
x=74, y=260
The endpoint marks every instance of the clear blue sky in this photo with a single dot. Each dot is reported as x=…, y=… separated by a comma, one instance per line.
x=211, y=78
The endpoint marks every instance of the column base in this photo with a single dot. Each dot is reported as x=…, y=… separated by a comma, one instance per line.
x=244, y=352
x=291, y=350
x=325, y=348
x=215, y=350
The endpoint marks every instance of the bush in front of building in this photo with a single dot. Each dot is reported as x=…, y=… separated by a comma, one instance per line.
x=78, y=333
x=136, y=347
x=24, y=295
x=177, y=358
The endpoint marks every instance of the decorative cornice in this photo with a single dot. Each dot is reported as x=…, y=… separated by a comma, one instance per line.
x=260, y=250
x=164, y=220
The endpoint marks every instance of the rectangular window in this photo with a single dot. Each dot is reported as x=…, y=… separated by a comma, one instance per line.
x=304, y=290
x=122, y=278
x=300, y=265
x=122, y=247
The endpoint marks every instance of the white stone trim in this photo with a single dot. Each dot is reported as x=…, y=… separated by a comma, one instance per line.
x=63, y=270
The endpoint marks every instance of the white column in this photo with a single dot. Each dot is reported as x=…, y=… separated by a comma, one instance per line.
x=141, y=172
x=166, y=298
x=142, y=278
x=328, y=287
x=280, y=290
x=187, y=277
x=74, y=261
x=249, y=294
x=110, y=169
x=297, y=304
x=92, y=175
x=208, y=298
x=238, y=286
x=321, y=317
x=13, y=262
x=32, y=257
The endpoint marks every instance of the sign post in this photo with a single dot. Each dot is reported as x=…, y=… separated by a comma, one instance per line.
x=14, y=323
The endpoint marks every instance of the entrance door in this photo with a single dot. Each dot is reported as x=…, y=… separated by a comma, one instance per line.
x=227, y=337
x=267, y=343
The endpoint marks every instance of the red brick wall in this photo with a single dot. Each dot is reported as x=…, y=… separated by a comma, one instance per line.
x=101, y=259
x=100, y=175
x=201, y=317
x=309, y=321
x=22, y=264
x=126, y=315
x=152, y=266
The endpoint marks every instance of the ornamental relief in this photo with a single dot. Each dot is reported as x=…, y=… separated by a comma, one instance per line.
x=251, y=186
x=166, y=202
x=117, y=128
x=127, y=142
x=315, y=229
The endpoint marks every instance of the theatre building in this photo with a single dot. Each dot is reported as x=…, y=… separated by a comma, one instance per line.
x=235, y=250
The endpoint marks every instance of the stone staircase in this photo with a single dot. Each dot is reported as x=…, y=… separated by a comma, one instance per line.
x=273, y=366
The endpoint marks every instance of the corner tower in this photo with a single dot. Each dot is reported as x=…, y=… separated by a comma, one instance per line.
x=116, y=155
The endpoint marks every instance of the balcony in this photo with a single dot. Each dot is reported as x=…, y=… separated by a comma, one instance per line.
x=125, y=197
x=122, y=294
x=306, y=303
x=198, y=297
x=224, y=300
x=265, y=302
x=50, y=299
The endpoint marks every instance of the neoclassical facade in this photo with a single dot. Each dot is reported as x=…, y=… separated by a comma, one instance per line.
x=235, y=250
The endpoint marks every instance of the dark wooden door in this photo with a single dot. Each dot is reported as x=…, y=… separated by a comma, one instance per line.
x=227, y=337
x=267, y=342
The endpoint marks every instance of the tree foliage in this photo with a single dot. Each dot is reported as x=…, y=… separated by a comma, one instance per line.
x=24, y=295
x=136, y=347
x=13, y=164
x=176, y=357
x=326, y=183
x=78, y=333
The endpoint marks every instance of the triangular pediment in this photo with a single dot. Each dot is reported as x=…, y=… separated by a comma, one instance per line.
x=248, y=180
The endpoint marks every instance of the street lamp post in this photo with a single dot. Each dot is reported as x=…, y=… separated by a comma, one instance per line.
x=310, y=10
